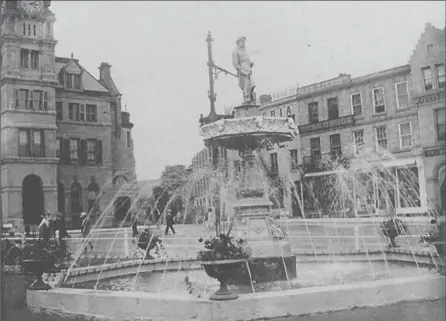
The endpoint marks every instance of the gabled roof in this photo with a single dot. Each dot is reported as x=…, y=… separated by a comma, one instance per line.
x=431, y=32
x=89, y=82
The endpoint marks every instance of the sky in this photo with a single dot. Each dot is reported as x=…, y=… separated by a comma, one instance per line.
x=158, y=53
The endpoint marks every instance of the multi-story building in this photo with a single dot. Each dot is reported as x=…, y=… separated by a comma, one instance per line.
x=428, y=89
x=369, y=125
x=66, y=145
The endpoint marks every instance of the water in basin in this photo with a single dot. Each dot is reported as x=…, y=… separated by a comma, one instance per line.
x=197, y=283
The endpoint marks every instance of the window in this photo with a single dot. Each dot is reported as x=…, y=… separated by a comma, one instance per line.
x=335, y=144
x=405, y=135
x=440, y=122
x=274, y=163
x=332, y=105
x=31, y=143
x=72, y=81
x=293, y=117
x=313, y=113
x=427, y=78
x=293, y=157
x=129, y=140
x=402, y=95
x=23, y=99
x=315, y=145
x=91, y=113
x=76, y=112
x=29, y=58
x=273, y=113
x=91, y=150
x=356, y=103
x=358, y=141
x=58, y=146
x=59, y=110
x=408, y=187
x=430, y=48
x=378, y=100
x=93, y=200
x=76, y=198
x=441, y=80
x=381, y=137
x=38, y=100
x=74, y=149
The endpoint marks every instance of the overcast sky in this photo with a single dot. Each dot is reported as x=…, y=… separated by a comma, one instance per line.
x=158, y=54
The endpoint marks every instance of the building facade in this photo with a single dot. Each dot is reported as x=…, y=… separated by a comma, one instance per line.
x=428, y=87
x=66, y=145
x=361, y=150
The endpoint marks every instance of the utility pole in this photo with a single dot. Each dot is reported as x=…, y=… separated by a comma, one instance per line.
x=213, y=71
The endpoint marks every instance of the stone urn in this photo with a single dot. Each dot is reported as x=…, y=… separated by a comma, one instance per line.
x=223, y=271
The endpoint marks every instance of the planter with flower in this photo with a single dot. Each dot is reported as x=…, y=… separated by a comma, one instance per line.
x=393, y=227
x=225, y=259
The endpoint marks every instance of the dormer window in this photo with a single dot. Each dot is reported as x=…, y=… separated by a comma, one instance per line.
x=70, y=81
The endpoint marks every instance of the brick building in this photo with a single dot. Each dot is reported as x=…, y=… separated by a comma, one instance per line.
x=371, y=120
x=66, y=144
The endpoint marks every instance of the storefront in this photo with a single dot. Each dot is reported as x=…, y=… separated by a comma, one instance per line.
x=435, y=171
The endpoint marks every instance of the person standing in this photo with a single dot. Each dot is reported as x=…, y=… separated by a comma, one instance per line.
x=85, y=228
x=170, y=219
x=44, y=228
x=135, y=226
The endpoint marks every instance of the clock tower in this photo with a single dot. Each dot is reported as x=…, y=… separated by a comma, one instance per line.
x=28, y=116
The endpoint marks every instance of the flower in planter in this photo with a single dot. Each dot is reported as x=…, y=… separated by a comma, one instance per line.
x=223, y=247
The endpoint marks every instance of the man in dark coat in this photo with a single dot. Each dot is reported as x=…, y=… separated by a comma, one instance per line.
x=44, y=228
x=135, y=226
x=170, y=219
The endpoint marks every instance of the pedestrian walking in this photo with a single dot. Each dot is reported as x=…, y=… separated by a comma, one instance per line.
x=170, y=219
x=135, y=226
x=44, y=228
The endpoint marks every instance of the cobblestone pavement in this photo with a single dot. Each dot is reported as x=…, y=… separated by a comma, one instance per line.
x=403, y=311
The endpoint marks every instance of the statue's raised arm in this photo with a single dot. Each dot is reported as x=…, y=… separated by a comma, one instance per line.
x=243, y=65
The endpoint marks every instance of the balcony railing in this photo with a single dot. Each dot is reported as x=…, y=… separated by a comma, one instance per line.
x=325, y=162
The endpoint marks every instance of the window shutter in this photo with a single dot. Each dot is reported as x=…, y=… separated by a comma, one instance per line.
x=82, y=147
x=17, y=98
x=45, y=100
x=99, y=151
x=65, y=151
x=81, y=112
x=31, y=99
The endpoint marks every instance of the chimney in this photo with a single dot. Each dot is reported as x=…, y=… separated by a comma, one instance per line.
x=104, y=71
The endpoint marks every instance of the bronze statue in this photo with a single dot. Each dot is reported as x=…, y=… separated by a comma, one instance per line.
x=243, y=65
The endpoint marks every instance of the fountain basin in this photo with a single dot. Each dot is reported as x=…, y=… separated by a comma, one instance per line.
x=120, y=305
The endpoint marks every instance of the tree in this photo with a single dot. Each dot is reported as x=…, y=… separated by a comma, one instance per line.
x=171, y=190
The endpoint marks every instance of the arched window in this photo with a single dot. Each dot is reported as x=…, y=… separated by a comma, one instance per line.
x=60, y=198
x=76, y=198
x=93, y=200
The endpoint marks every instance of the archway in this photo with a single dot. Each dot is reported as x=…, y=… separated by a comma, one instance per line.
x=122, y=206
x=32, y=200
x=60, y=198
x=93, y=200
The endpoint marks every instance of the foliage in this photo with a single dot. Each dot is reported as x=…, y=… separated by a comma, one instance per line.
x=222, y=247
x=391, y=228
x=54, y=252
x=194, y=215
x=436, y=234
x=173, y=179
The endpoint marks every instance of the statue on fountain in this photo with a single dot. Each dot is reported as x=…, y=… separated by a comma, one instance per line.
x=243, y=65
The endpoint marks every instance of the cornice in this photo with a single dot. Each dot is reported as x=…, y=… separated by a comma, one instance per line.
x=430, y=97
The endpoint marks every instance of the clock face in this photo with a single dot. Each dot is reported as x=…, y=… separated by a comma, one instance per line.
x=31, y=7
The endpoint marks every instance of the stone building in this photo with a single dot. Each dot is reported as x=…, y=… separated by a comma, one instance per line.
x=370, y=122
x=66, y=144
x=428, y=89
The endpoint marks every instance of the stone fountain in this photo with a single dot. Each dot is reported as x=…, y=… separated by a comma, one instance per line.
x=246, y=132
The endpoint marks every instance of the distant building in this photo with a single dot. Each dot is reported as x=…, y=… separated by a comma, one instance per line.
x=66, y=144
x=341, y=118
x=428, y=90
